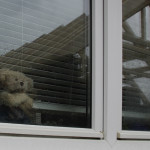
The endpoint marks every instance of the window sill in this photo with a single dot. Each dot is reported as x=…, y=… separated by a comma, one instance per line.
x=134, y=135
x=46, y=131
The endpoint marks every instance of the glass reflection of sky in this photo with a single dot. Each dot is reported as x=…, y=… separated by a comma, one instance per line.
x=135, y=23
x=23, y=21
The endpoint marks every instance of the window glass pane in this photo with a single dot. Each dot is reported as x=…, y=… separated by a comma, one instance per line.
x=49, y=42
x=136, y=65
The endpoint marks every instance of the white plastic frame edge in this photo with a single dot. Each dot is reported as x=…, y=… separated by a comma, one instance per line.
x=134, y=135
x=97, y=92
x=97, y=65
x=34, y=130
x=112, y=69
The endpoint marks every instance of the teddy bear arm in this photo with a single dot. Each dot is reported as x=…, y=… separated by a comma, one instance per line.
x=18, y=99
x=12, y=100
x=28, y=102
x=7, y=99
x=27, y=106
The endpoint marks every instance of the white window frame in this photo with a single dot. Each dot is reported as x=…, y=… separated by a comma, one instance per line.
x=97, y=92
x=113, y=83
x=112, y=96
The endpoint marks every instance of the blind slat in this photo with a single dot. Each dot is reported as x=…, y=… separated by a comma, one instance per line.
x=57, y=82
x=59, y=88
x=40, y=66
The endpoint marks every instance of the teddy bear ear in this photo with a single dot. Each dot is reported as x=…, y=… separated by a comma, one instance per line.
x=30, y=83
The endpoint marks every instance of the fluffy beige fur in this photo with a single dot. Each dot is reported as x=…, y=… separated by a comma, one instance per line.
x=14, y=81
x=14, y=99
x=15, y=85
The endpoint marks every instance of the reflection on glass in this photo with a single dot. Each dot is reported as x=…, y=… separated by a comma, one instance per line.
x=48, y=41
x=136, y=65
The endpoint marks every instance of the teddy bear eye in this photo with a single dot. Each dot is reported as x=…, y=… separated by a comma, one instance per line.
x=16, y=79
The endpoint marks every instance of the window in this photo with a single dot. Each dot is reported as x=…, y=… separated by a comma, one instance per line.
x=136, y=66
x=50, y=42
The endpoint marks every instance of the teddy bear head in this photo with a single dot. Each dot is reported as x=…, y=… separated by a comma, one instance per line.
x=14, y=81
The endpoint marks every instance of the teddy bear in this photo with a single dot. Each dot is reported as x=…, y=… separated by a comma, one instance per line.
x=13, y=97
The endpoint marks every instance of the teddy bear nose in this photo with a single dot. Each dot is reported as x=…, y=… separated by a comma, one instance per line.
x=21, y=83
